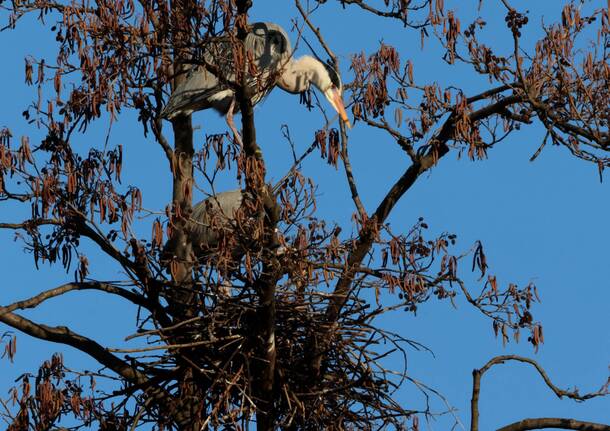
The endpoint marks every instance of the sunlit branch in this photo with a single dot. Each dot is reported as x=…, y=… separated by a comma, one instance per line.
x=175, y=346
x=438, y=149
x=561, y=423
x=477, y=374
x=389, y=14
x=64, y=335
x=30, y=224
x=69, y=287
x=157, y=127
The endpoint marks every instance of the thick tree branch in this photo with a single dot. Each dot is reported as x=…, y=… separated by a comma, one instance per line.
x=351, y=181
x=64, y=335
x=26, y=225
x=182, y=170
x=265, y=285
x=79, y=223
x=437, y=149
x=182, y=298
x=367, y=236
x=492, y=92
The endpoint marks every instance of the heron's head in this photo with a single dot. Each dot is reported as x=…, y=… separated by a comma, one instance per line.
x=298, y=74
x=333, y=93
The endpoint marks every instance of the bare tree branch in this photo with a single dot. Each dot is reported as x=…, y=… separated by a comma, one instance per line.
x=344, y=138
x=64, y=335
x=476, y=389
x=438, y=149
x=316, y=31
x=91, y=285
x=562, y=423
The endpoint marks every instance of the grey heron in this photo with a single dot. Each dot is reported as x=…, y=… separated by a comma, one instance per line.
x=270, y=53
x=208, y=218
x=216, y=213
x=219, y=211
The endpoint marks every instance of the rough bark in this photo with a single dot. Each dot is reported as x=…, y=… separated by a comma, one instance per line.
x=265, y=285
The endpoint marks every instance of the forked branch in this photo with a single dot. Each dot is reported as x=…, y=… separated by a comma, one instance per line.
x=436, y=150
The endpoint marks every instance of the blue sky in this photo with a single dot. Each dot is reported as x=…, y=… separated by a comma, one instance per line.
x=544, y=222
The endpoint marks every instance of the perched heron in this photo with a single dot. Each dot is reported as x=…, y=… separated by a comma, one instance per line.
x=269, y=51
x=209, y=218
x=213, y=215
x=218, y=210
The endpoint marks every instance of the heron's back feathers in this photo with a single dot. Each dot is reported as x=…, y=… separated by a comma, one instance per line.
x=212, y=214
x=200, y=90
x=208, y=83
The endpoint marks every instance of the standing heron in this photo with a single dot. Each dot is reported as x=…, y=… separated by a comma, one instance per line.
x=270, y=63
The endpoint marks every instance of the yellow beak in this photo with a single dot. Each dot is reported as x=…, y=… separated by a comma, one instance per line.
x=334, y=97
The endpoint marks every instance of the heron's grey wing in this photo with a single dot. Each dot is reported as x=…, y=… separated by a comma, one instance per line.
x=269, y=49
x=196, y=92
x=201, y=89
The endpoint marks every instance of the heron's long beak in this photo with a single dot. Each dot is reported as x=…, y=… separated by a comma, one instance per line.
x=334, y=97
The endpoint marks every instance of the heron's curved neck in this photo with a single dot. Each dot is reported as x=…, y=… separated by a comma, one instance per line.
x=299, y=73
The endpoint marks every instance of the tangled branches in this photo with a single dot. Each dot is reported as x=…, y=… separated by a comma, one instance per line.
x=272, y=314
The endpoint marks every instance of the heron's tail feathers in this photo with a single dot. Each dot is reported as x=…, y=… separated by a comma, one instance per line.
x=185, y=102
x=173, y=109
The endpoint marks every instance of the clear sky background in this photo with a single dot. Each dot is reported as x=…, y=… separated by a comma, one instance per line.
x=544, y=222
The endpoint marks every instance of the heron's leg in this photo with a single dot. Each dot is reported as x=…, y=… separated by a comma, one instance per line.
x=231, y=124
